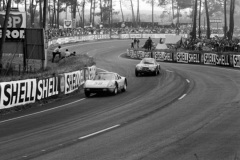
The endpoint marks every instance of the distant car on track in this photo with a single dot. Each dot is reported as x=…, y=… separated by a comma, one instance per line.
x=105, y=82
x=147, y=66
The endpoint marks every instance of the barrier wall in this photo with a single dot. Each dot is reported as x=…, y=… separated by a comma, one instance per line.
x=217, y=59
x=16, y=93
x=83, y=38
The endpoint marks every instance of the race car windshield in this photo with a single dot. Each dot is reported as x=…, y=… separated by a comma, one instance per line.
x=149, y=61
x=105, y=76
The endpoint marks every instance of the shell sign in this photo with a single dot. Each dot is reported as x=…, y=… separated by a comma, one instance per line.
x=67, y=24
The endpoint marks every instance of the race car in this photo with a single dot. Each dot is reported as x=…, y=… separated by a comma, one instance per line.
x=147, y=66
x=105, y=82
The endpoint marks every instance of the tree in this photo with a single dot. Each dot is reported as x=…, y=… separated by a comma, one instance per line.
x=199, y=22
x=225, y=18
x=4, y=31
x=101, y=18
x=231, y=19
x=133, y=16
x=138, y=14
x=83, y=13
x=194, y=21
x=91, y=6
x=121, y=10
x=208, y=20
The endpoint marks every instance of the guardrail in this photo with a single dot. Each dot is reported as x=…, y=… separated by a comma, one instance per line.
x=83, y=38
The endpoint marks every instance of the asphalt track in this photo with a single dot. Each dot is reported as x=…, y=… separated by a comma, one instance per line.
x=188, y=112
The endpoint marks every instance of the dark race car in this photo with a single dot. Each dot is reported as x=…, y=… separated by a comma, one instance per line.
x=147, y=66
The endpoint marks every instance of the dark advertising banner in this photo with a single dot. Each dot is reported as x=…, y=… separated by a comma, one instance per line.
x=140, y=54
x=47, y=87
x=236, y=61
x=147, y=54
x=210, y=58
x=163, y=56
x=194, y=58
x=182, y=57
x=133, y=54
x=17, y=93
x=72, y=81
x=223, y=60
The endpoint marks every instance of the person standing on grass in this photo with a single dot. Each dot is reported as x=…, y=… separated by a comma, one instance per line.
x=149, y=43
x=138, y=41
x=132, y=44
x=55, y=52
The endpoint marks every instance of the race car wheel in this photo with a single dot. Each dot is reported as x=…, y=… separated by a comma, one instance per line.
x=115, y=91
x=87, y=94
x=124, y=87
x=156, y=72
x=136, y=73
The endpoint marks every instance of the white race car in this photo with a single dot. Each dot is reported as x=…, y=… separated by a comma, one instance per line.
x=105, y=82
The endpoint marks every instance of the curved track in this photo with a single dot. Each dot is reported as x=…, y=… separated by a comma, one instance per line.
x=188, y=112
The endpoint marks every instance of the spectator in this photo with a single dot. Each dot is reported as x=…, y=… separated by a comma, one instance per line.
x=138, y=41
x=73, y=54
x=149, y=43
x=55, y=52
x=132, y=44
x=66, y=54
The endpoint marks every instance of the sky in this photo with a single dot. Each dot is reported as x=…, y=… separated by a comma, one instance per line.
x=126, y=6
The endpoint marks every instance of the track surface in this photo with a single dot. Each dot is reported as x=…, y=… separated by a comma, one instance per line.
x=188, y=112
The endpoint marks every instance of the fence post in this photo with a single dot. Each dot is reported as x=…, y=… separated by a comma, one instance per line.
x=19, y=69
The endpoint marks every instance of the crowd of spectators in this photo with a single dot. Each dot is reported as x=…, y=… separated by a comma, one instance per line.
x=185, y=29
x=214, y=44
x=56, y=33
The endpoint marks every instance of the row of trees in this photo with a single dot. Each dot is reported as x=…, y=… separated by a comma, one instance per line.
x=219, y=5
x=104, y=10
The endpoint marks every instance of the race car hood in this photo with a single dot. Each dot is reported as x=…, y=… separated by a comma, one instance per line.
x=96, y=84
x=146, y=65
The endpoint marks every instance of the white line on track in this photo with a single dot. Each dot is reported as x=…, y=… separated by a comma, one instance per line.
x=182, y=97
x=28, y=115
x=98, y=132
x=120, y=55
x=169, y=70
x=187, y=81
